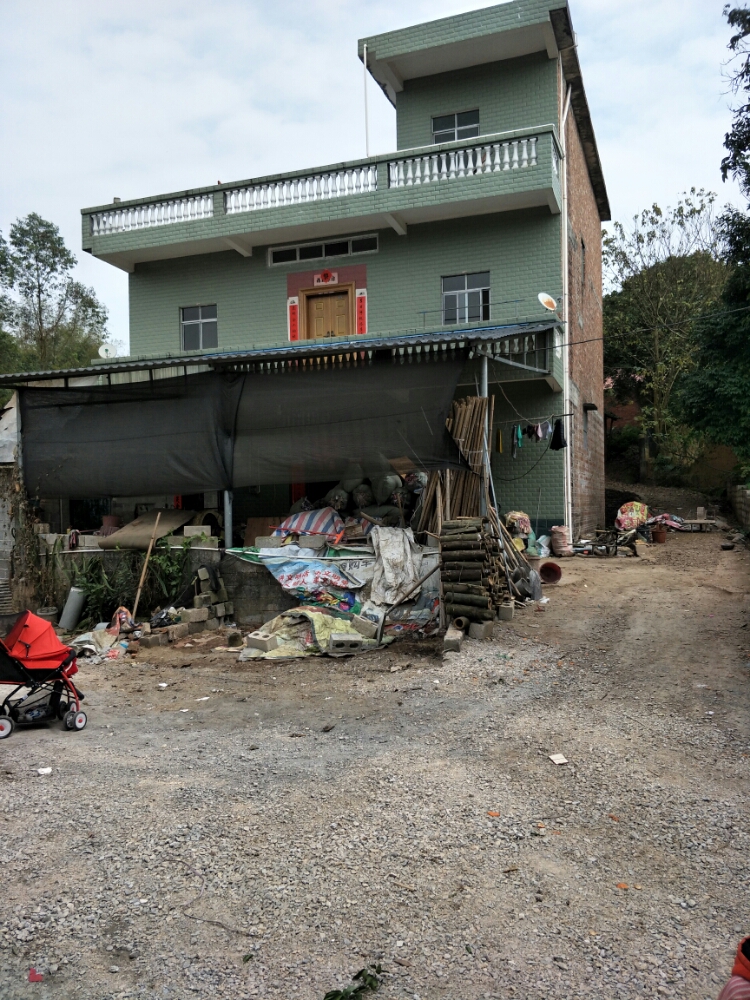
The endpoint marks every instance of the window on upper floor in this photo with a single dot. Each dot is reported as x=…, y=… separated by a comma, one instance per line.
x=319, y=251
x=466, y=298
x=451, y=128
x=200, y=329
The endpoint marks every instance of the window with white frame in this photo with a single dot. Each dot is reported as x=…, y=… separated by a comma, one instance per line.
x=200, y=328
x=466, y=298
x=452, y=128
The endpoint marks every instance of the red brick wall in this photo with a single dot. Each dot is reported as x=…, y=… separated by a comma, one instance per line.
x=584, y=335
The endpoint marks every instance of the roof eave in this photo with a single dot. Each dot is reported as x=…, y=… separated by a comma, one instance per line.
x=566, y=43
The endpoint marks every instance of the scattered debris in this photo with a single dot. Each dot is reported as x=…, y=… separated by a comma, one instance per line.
x=558, y=758
x=363, y=981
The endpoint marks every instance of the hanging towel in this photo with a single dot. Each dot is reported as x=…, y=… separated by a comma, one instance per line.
x=513, y=441
x=546, y=429
x=558, y=437
x=519, y=435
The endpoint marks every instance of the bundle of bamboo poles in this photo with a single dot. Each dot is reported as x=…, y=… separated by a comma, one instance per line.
x=480, y=563
x=457, y=493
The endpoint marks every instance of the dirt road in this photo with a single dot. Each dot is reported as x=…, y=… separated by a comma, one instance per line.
x=231, y=847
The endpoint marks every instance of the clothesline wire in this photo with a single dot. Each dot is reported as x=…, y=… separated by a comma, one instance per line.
x=535, y=420
x=523, y=474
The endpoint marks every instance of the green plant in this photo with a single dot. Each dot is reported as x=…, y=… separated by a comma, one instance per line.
x=107, y=590
x=363, y=981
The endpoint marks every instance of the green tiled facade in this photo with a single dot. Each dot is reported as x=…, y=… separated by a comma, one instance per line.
x=521, y=250
x=513, y=94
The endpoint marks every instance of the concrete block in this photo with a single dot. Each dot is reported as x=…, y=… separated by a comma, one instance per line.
x=264, y=641
x=211, y=611
x=205, y=586
x=198, y=529
x=365, y=627
x=199, y=542
x=41, y=528
x=150, y=641
x=481, y=630
x=193, y=614
x=312, y=541
x=202, y=601
x=194, y=627
x=269, y=541
x=228, y=608
x=211, y=625
x=346, y=643
x=221, y=596
x=203, y=574
x=180, y=631
x=452, y=641
x=219, y=610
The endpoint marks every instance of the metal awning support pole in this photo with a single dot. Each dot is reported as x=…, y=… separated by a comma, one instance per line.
x=228, y=525
x=484, y=391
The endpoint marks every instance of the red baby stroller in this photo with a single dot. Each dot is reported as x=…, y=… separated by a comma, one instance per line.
x=39, y=667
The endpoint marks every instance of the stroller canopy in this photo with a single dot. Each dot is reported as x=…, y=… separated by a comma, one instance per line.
x=32, y=640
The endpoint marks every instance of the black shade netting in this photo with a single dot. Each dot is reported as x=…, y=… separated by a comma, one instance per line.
x=140, y=439
x=303, y=423
x=310, y=424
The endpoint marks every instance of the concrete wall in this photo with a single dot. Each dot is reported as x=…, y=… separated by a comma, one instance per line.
x=512, y=94
x=739, y=497
x=520, y=249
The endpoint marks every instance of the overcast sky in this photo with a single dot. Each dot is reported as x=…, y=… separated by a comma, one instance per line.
x=103, y=99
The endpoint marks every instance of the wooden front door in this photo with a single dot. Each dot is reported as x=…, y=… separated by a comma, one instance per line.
x=328, y=315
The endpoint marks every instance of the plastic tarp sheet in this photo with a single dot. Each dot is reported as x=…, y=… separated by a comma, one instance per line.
x=228, y=430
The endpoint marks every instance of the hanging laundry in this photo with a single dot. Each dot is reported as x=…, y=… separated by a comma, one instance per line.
x=546, y=428
x=513, y=441
x=558, y=437
x=538, y=432
x=519, y=435
x=499, y=447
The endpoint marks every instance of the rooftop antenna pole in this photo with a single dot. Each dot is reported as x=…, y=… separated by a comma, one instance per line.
x=367, y=123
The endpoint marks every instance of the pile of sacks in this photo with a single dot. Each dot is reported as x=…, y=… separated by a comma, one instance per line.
x=386, y=498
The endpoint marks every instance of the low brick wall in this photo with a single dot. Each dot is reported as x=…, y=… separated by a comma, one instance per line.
x=739, y=497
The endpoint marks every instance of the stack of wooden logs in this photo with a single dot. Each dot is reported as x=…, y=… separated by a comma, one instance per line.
x=478, y=564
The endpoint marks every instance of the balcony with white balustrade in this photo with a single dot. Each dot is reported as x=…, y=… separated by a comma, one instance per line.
x=489, y=174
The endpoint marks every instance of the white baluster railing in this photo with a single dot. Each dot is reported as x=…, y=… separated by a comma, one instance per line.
x=517, y=154
x=301, y=190
x=156, y=213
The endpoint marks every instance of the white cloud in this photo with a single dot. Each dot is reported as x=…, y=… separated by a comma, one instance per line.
x=98, y=100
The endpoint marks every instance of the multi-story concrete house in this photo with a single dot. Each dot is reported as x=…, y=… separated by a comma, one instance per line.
x=494, y=195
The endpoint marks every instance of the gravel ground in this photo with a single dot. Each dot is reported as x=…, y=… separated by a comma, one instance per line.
x=237, y=849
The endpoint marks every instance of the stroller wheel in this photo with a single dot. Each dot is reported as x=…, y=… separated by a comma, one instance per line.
x=62, y=709
x=6, y=726
x=76, y=720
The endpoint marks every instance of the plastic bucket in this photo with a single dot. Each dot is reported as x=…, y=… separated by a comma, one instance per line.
x=659, y=535
x=550, y=572
x=48, y=614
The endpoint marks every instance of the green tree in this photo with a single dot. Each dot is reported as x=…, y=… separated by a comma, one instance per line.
x=737, y=140
x=663, y=272
x=55, y=320
x=715, y=395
